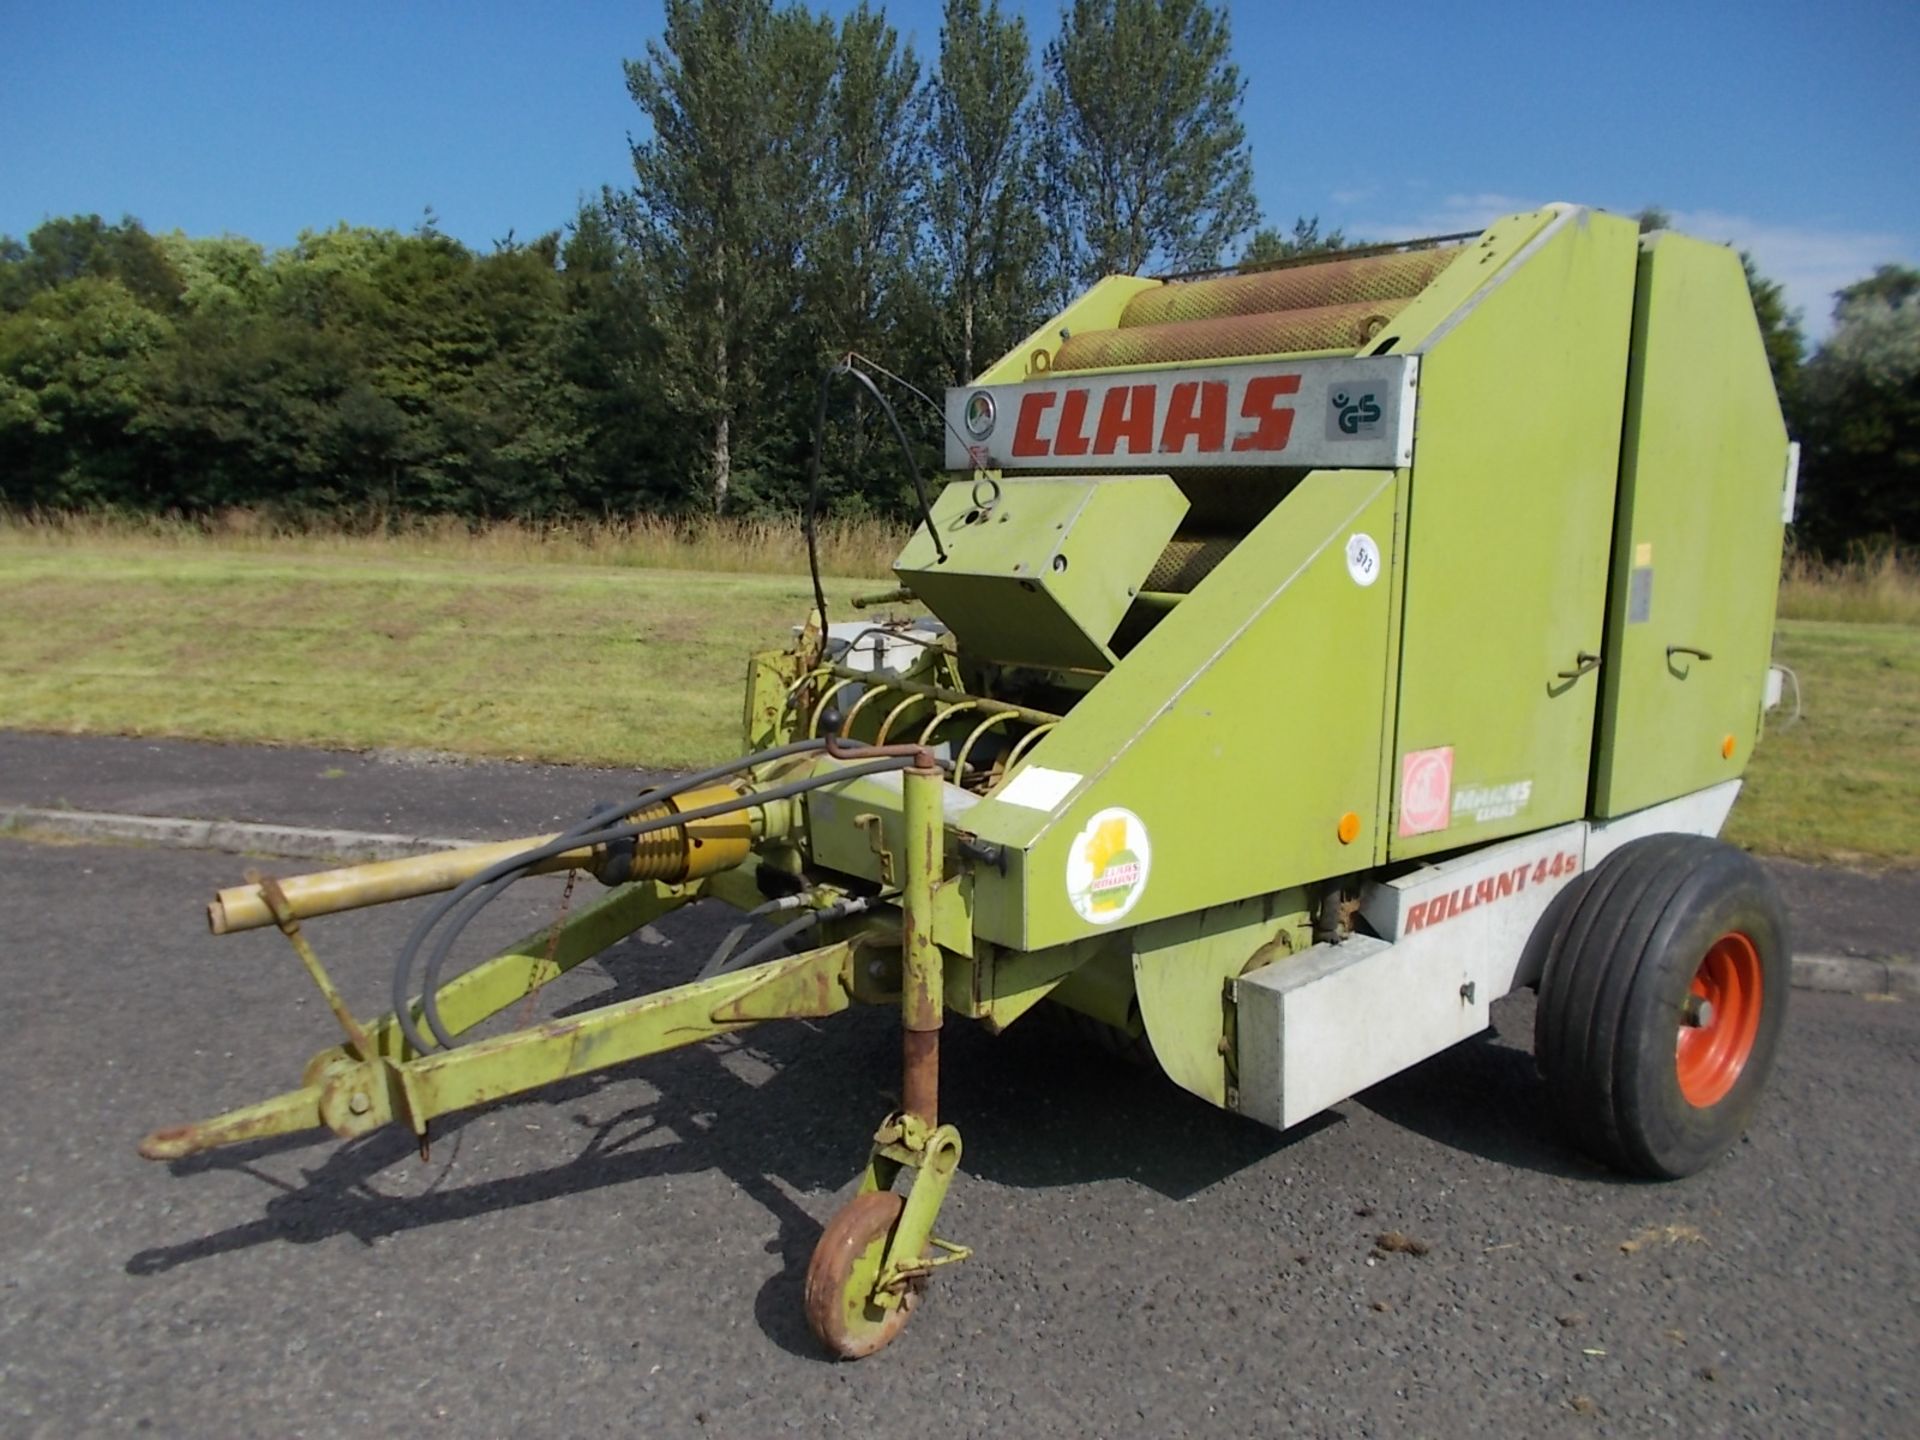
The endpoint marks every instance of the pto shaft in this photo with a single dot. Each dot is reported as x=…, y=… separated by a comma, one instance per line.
x=673, y=853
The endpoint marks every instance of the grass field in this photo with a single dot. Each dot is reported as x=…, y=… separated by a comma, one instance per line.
x=550, y=661
x=1879, y=585
x=437, y=644
x=642, y=542
x=1843, y=783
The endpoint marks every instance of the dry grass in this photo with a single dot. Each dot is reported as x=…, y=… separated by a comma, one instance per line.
x=862, y=549
x=1843, y=781
x=569, y=644
x=552, y=662
x=1878, y=585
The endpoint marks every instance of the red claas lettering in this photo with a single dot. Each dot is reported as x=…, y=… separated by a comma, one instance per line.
x=1026, y=434
x=1197, y=410
x=1126, y=414
x=1275, y=421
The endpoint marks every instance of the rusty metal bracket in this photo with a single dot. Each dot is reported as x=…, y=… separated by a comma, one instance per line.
x=283, y=917
x=810, y=986
x=877, y=842
x=907, y=1262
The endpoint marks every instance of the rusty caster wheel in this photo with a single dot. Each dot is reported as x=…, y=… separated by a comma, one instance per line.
x=841, y=1276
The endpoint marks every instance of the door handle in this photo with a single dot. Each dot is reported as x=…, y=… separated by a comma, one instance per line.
x=1673, y=650
x=1584, y=661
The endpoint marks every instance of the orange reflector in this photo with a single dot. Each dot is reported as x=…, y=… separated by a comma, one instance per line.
x=1349, y=827
x=1727, y=747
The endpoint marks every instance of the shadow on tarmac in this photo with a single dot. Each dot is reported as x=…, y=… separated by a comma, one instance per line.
x=1485, y=1098
x=1039, y=1109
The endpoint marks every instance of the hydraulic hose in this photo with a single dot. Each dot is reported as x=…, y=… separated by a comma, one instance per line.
x=430, y=979
x=566, y=840
x=845, y=366
x=811, y=920
x=717, y=962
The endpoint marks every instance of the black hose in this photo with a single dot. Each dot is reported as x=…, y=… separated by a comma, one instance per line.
x=845, y=366
x=912, y=389
x=566, y=840
x=430, y=978
x=813, y=506
x=906, y=449
x=774, y=941
x=811, y=920
x=718, y=960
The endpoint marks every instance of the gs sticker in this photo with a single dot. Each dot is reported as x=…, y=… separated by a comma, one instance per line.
x=1107, y=866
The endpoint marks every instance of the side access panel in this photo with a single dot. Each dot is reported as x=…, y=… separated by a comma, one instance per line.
x=1313, y=1028
x=1696, y=567
x=1221, y=758
x=1516, y=452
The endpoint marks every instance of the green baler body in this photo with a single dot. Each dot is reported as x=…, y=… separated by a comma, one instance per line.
x=1438, y=645
x=1697, y=535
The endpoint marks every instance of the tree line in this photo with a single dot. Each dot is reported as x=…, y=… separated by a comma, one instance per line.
x=807, y=187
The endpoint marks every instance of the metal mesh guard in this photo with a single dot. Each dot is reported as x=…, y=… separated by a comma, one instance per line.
x=1300, y=287
x=1329, y=327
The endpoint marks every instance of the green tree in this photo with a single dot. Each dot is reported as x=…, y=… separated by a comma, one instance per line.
x=1144, y=138
x=1779, y=332
x=217, y=271
x=609, y=354
x=79, y=372
x=727, y=199
x=1895, y=285
x=1861, y=417
x=80, y=246
x=1306, y=238
x=875, y=174
x=983, y=217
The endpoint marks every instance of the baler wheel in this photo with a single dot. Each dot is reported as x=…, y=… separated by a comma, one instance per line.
x=1661, y=1002
x=840, y=1278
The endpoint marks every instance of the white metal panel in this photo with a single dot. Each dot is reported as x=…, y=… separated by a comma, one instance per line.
x=1315, y=1028
x=1485, y=903
x=863, y=645
x=1347, y=413
x=1327, y=1024
x=1385, y=905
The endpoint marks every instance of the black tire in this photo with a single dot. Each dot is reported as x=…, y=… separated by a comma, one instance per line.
x=1633, y=1082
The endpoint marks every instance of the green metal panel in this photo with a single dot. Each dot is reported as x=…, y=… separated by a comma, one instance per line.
x=1516, y=450
x=1483, y=262
x=1182, y=968
x=1039, y=571
x=1235, y=736
x=1697, y=540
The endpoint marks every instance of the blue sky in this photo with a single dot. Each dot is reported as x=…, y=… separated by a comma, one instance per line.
x=1790, y=129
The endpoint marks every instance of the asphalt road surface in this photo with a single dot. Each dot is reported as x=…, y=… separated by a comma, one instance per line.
x=622, y=1256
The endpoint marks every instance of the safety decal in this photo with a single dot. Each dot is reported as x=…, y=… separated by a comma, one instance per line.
x=1107, y=866
x=1482, y=803
x=1426, y=790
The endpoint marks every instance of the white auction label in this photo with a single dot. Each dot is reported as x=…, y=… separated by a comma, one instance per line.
x=1363, y=559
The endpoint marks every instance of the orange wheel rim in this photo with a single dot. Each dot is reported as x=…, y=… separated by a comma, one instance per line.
x=1722, y=1018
